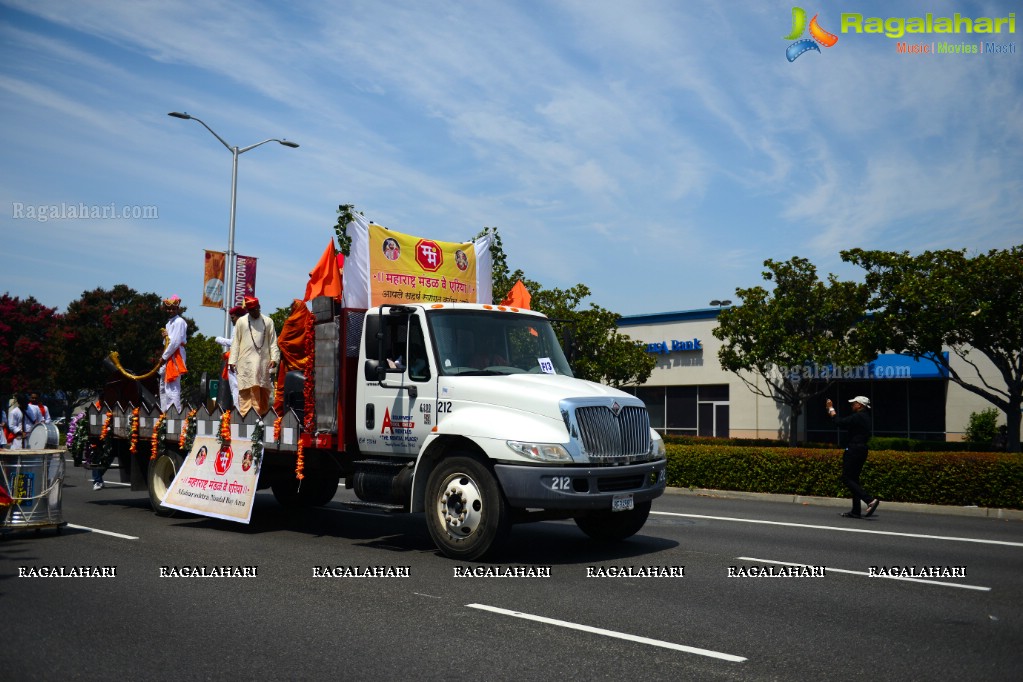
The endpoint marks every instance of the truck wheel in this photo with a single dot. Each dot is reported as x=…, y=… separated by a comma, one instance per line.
x=161, y=475
x=609, y=526
x=314, y=491
x=466, y=513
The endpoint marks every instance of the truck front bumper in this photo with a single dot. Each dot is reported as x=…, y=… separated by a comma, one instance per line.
x=585, y=487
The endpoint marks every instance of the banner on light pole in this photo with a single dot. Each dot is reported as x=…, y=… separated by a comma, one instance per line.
x=213, y=280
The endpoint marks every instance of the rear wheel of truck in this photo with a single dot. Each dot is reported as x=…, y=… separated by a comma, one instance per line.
x=162, y=471
x=466, y=513
x=609, y=526
x=314, y=491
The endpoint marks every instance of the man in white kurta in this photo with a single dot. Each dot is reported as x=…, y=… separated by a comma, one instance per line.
x=172, y=362
x=254, y=356
x=21, y=421
x=232, y=376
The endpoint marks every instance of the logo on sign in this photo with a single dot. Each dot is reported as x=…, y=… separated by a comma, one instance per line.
x=429, y=255
x=223, y=461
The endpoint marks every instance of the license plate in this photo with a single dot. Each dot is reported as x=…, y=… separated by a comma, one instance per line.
x=622, y=503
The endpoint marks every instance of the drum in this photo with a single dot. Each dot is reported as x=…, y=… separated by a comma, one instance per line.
x=42, y=437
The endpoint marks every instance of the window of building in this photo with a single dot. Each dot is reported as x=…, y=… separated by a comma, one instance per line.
x=687, y=410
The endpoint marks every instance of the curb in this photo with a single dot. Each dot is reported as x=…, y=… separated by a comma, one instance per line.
x=983, y=512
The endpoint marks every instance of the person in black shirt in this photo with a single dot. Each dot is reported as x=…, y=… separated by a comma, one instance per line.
x=855, y=455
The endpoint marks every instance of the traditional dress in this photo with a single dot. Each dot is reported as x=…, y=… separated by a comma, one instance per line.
x=253, y=350
x=21, y=424
x=173, y=360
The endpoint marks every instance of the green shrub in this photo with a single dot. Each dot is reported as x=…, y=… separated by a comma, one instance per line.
x=982, y=427
x=949, y=478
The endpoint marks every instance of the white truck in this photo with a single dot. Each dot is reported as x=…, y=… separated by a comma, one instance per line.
x=466, y=412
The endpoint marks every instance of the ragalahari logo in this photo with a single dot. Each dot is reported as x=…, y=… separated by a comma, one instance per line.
x=818, y=34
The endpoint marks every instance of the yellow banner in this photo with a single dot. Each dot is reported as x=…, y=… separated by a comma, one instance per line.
x=213, y=280
x=408, y=269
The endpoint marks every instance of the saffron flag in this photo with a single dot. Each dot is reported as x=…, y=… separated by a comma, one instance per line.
x=213, y=280
x=325, y=278
x=518, y=297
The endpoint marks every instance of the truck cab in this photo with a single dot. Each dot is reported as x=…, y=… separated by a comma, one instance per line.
x=470, y=413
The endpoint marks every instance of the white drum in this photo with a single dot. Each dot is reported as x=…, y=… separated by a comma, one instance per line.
x=43, y=437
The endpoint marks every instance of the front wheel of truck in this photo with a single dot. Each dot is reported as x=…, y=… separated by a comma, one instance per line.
x=162, y=471
x=609, y=526
x=466, y=512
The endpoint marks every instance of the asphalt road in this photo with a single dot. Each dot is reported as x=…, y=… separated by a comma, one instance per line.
x=717, y=621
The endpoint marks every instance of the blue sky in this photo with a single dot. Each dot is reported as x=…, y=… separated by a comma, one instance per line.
x=657, y=152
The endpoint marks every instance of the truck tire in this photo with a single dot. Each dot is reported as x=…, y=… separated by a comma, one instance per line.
x=315, y=491
x=466, y=512
x=160, y=476
x=609, y=526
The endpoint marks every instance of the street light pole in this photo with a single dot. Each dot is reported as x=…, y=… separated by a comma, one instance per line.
x=235, y=151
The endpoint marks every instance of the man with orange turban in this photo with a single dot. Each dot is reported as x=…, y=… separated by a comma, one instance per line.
x=172, y=362
x=254, y=356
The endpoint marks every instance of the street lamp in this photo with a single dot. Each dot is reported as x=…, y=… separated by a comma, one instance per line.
x=235, y=151
x=720, y=304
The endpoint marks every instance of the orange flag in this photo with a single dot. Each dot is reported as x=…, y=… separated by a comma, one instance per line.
x=291, y=343
x=325, y=279
x=518, y=297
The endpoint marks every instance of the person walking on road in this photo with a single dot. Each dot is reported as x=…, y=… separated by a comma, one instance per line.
x=858, y=426
x=254, y=356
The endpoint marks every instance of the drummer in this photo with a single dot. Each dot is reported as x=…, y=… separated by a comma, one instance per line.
x=43, y=410
x=21, y=420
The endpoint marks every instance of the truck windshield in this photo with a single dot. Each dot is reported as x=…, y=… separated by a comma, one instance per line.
x=470, y=342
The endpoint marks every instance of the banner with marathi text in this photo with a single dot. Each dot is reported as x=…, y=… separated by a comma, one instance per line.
x=409, y=269
x=380, y=271
x=244, y=278
x=215, y=481
x=213, y=280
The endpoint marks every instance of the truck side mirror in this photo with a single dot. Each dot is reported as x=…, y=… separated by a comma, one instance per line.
x=374, y=371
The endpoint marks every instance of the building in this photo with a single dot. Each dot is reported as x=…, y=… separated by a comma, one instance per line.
x=689, y=393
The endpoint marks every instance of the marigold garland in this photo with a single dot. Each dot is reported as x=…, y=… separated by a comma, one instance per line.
x=224, y=434
x=188, y=431
x=106, y=442
x=159, y=436
x=308, y=395
x=133, y=437
x=300, y=462
x=277, y=429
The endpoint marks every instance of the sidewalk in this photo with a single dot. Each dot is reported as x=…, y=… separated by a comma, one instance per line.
x=1010, y=514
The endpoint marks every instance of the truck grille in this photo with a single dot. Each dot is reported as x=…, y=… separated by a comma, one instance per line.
x=608, y=438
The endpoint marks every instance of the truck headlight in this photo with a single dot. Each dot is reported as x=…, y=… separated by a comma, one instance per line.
x=657, y=449
x=541, y=452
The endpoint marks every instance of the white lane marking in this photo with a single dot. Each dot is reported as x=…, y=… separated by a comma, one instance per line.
x=103, y=532
x=829, y=569
x=611, y=633
x=843, y=529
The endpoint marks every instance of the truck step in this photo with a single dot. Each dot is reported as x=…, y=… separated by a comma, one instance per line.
x=383, y=507
x=381, y=464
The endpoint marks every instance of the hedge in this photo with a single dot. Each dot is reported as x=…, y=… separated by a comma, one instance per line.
x=949, y=478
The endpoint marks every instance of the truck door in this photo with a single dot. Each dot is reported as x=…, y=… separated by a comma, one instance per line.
x=398, y=412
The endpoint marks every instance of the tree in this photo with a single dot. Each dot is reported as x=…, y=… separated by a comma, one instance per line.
x=599, y=351
x=26, y=353
x=102, y=321
x=799, y=331
x=973, y=306
x=205, y=355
